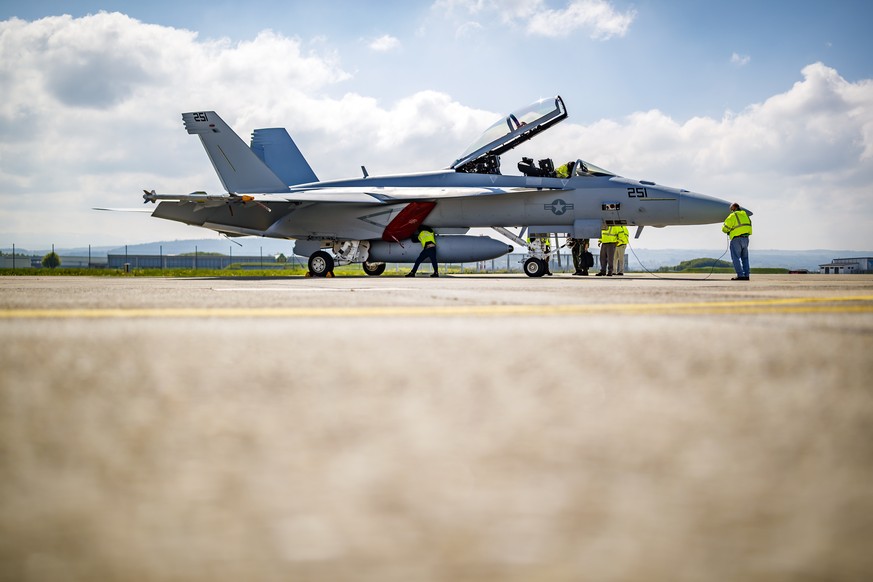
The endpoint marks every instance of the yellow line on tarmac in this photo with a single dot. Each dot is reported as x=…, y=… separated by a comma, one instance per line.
x=854, y=304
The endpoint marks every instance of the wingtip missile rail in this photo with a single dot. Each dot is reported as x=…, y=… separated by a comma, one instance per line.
x=201, y=197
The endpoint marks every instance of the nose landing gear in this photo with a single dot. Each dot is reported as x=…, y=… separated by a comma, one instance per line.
x=534, y=267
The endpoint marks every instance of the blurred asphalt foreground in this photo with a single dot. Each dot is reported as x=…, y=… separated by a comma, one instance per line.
x=429, y=432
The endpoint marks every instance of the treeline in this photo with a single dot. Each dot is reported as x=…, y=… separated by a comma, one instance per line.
x=714, y=266
x=697, y=264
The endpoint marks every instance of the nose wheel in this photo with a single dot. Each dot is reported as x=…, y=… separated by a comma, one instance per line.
x=534, y=267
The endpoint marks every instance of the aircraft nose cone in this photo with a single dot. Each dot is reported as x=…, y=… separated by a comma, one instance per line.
x=701, y=209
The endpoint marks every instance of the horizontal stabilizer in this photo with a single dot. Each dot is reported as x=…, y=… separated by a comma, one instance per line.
x=239, y=169
x=279, y=152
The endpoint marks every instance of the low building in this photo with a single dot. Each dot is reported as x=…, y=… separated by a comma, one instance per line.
x=850, y=266
x=80, y=262
x=15, y=262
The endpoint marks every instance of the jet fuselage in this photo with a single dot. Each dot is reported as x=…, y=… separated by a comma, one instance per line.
x=553, y=202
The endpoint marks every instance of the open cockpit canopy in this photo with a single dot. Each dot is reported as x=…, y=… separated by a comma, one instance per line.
x=509, y=132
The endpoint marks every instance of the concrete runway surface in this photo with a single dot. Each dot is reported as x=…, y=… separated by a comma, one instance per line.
x=461, y=428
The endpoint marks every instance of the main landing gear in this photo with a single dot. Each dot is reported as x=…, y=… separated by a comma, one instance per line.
x=373, y=269
x=320, y=264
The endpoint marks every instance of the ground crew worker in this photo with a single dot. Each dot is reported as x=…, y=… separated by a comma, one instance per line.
x=608, y=239
x=564, y=170
x=427, y=238
x=738, y=226
x=622, y=238
x=579, y=248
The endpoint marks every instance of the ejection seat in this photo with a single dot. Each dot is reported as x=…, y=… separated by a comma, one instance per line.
x=546, y=168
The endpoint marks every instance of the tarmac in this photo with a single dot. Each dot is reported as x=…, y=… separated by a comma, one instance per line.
x=474, y=427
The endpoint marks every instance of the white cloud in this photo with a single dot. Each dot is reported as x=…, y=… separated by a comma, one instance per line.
x=468, y=29
x=385, y=43
x=449, y=7
x=91, y=109
x=597, y=17
x=740, y=60
x=802, y=159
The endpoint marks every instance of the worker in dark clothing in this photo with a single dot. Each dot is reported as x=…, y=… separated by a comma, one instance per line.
x=427, y=238
x=579, y=248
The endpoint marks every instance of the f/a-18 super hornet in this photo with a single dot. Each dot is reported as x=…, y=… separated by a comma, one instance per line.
x=272, y=191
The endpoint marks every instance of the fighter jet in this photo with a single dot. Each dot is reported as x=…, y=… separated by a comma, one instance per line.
x=272, y=191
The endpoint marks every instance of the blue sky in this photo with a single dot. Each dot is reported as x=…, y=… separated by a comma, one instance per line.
x=770, y=103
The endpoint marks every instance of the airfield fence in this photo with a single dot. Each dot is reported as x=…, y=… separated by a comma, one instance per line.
x=511, y=263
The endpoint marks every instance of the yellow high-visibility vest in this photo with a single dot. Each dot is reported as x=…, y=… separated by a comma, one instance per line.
x=737, y=223
x=608, y=235
x=425, y=237
x=623, y=235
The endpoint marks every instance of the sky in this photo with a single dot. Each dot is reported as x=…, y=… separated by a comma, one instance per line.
x=769, y=104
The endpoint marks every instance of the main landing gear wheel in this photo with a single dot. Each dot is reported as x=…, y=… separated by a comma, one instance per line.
x=374, y=269
x=321, y=264
x=534, y=268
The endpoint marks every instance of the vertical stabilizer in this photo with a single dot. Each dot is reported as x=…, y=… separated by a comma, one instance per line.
x=240, y=170
x=276, y=149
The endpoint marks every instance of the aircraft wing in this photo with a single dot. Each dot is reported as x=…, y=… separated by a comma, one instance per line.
x=203, y=200
x=343, y=195
x=147, y=210
x=390, y=195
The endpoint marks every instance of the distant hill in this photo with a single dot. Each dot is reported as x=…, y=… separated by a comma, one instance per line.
x=653, y=259
x=247, y=246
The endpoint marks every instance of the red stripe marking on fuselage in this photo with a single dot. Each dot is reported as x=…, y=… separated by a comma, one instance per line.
x=407, y=221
